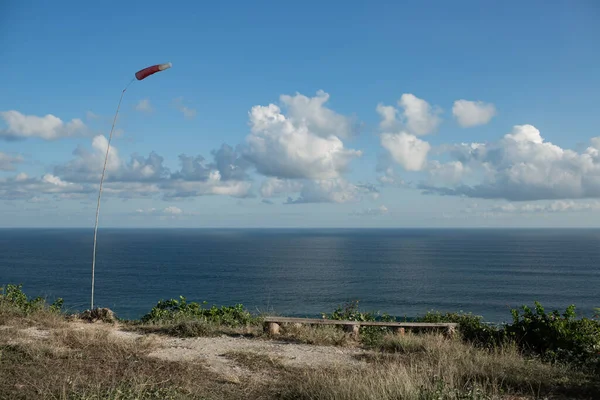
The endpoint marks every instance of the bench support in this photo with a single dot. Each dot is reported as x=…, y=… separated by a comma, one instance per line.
x=353, y=330
x=272, y=328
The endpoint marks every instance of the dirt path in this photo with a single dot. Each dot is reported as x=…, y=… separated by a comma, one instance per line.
x=216, y=352
x=213, y=352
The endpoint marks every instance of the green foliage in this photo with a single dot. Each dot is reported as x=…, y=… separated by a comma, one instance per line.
x=472, y=328
x=557, y=337
x=173, y=310
x=554, y=336
x=13, y=297
x=369, y=335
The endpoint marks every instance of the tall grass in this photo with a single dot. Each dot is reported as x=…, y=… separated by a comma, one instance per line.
x=432, y=367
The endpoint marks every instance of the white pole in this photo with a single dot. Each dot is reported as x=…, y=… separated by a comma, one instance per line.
x=100, y=193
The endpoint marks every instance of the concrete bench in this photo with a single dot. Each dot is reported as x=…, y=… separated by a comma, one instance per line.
x=272, y=324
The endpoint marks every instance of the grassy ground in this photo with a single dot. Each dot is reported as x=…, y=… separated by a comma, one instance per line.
x=44, y=356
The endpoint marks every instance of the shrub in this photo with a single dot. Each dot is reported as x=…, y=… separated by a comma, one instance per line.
x=174, y=310
x=369, y=335
x=13, y=298
x=472, y=328
x=557, y=337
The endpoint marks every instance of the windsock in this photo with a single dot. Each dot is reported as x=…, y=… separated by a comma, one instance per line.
x=146, y=72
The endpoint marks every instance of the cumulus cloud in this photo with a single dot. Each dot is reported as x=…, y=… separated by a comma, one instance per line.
x=390, y=178
x=388, y=116
x=24, y=187
x=185, y=110
x=319, y=120
x=399, y=137
x=522, y=166
x=273, y=187
x=7, y=161
x=144, y=106
x=473, y=113
x=330, y=191
x=87, y=165
x=213, y=185
x=450, y=172
x=372, y=212
x=297, y=146
x=420, y=118
x=48, y=127
x=417, y=117
x=407, y=150
x=140, y=176
x=230, y=163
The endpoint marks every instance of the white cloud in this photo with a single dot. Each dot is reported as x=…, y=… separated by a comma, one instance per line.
x=559, y=206
x=406, y=149
x=473, y=113
x=388, y=117
x=420, y=118
x=144, y=106
x=272, y=187
x=185, y=110
x=523, y=166
x=164, y=213
x=372, y=212
x=48, y=127
x=140, y=176
x=87, y=166
x=179, y=188
x=327, y=191
x=450, y=172
x=23, y=187
x=7, y=162
x=287, y=147
x=319, y=120
x=91, y=115
x=335, y=190
x=173, y=210
x=390, y=178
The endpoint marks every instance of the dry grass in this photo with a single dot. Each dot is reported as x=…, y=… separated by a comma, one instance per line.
x=254, y=361
x=323, y=335
x=42, y=356
x=317, y=335
x=195, y=328
x=92, y=363
x=10, y=316
x=424, y=367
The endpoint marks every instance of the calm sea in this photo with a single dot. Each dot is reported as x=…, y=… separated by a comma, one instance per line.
x=306, y=272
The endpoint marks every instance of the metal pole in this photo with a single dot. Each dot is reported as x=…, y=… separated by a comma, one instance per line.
x=100, y=194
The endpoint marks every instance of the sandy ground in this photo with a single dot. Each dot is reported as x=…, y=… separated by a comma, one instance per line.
x=212, y=351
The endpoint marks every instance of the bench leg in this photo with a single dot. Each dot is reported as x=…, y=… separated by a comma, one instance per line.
x=450, y=332
x=400, y=331
x=272, y=328
x=353, y=329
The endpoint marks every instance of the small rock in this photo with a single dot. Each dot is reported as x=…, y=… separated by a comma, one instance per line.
x=99, y=315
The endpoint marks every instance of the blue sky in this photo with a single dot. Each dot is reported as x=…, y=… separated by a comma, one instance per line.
x=344, y=114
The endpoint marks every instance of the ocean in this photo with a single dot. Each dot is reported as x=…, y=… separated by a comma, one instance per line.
x=304, y=272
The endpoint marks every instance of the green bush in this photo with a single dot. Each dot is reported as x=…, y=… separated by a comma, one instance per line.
x=553, y=336
x=13, y=298
x=557, y=337
x=173, y=310
x=472, y=328
x=369, y=335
